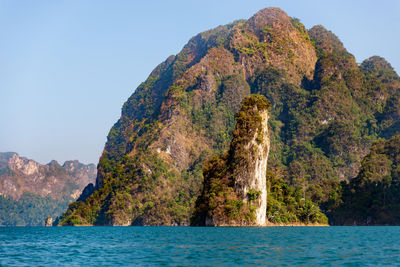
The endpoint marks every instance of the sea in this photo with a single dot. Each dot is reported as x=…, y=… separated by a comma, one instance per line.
x=199, y=246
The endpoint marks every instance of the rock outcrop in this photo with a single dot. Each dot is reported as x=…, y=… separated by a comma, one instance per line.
x=49, y=221
x=235, y=185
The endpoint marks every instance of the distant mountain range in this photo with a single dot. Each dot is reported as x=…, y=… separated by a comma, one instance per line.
x=30, y=191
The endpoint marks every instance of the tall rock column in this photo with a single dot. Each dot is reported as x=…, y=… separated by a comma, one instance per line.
x=235, y=187
x=250, y=148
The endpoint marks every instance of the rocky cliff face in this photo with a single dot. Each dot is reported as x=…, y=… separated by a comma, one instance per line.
x=235, y=185
x=250, y=154
x=19, y=175
x=326, y=113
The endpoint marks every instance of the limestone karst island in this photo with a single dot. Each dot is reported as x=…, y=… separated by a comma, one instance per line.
x=194, y=139
x=257, y=122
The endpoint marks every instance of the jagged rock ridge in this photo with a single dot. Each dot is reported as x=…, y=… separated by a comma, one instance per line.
x=19, y=175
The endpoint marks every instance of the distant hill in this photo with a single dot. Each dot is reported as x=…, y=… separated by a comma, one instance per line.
x=30, y=191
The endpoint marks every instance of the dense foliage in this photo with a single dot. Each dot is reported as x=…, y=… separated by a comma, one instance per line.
x=373, y=197
x=30, y=210
x=287, y=204
x=121, y=199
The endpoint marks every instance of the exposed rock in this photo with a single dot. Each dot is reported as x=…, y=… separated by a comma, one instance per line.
x=49, y=221
x=272, y=38
x=235, y=186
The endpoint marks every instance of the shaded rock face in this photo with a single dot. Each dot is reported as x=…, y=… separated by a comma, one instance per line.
x=235, y=185
x=19, y=175
x=87, y=191
x=250, y=174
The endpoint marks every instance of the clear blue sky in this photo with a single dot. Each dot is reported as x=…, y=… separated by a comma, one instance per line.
x=66, y=67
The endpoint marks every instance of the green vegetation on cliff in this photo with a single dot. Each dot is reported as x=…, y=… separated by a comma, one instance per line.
x=327, y=111
x=373, y=197
x=219, y=201
x=286, y=204
x=30, y=209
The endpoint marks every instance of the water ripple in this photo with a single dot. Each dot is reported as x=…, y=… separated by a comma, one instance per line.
x=185, y=246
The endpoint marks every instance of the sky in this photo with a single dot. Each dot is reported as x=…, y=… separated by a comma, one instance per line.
x=67, y=67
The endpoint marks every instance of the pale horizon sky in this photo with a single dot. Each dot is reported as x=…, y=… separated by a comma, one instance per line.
x=67, y=67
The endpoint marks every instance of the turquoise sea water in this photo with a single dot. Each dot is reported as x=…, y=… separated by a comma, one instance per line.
x=187, y=246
